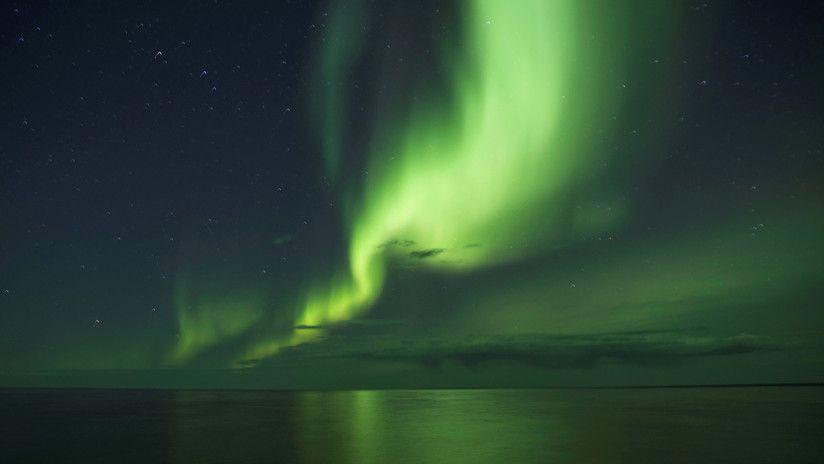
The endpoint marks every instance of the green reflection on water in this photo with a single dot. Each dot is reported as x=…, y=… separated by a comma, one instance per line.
x=751, y=425
x=427, y=426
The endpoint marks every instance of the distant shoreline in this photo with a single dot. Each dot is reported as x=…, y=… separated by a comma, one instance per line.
x=610, y=387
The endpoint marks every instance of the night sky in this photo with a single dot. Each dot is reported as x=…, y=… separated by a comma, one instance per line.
x=411, y=193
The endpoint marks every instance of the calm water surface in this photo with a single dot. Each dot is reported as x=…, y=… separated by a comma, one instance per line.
x=702, y=425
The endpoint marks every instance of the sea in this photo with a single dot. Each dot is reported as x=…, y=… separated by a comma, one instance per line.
x=767, y=424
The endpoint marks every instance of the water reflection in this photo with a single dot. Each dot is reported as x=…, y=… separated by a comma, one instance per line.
x=452, y=426
x=429, y=426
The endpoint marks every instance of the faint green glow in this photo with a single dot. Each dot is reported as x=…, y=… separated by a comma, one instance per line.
x=281, y=240
x=704, y=276
x=207, y=316
x=340, y=48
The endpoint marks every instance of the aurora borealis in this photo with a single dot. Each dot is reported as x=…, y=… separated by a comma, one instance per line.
x=412, y=194
x=451, y=180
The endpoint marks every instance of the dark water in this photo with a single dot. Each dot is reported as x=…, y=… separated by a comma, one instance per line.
x=701, y=425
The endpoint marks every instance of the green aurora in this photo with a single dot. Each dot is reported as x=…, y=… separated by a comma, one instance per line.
x=507, y=166
x=480, y=179
x=520, y=194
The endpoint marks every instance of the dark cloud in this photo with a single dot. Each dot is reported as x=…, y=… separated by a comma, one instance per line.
x=248, y=362
x=427, y=253
x=354, y=324
x=546, y=351
x=403, y=243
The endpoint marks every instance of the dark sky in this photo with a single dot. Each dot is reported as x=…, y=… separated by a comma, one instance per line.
x=379, y=194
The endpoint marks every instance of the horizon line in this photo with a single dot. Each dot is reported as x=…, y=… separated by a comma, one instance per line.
x=572, y=387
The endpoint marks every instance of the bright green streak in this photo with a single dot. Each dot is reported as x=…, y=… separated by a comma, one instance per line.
x=481, y=180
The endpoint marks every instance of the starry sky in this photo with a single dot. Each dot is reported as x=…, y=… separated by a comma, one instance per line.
x=411, y=194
